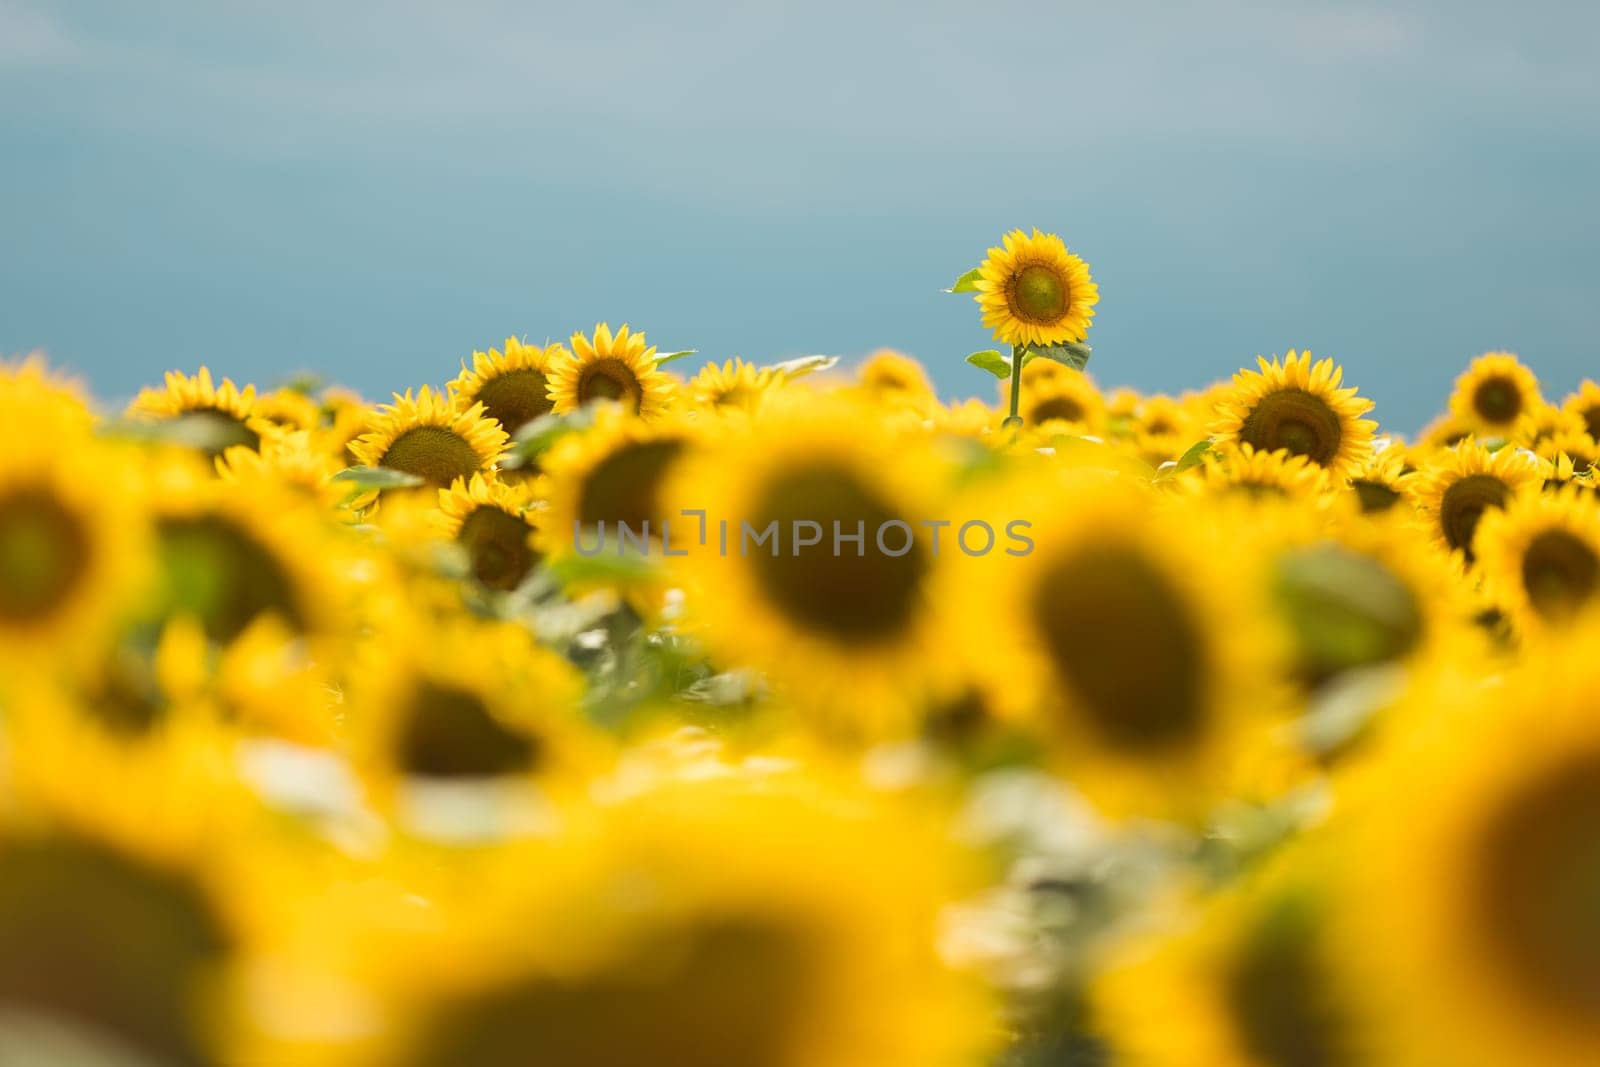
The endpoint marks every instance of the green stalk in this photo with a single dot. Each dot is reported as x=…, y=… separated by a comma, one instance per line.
x=1014, y=420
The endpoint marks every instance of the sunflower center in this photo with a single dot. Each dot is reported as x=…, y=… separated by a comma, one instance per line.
x=216, y=431
x=720, y=991
x=1591, y=421
x=1125, y=645
x=1497, y=400
x=1374, y=496
x=516, y=397
x=828, y=587
x=1279, y=996
x=74, y=918
x=1462, y=507
x=1560, y=573
x=436, y=455
x=624, y=487
x=1057, y=407
x=1039, y=294
x=610, y=379
x=497, y=544
x=44, y=554
x=1538, y=880
x=449, y=733
x=221, y=574
x=1295, y=420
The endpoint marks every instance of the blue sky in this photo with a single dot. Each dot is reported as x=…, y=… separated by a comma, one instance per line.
x=377, y=189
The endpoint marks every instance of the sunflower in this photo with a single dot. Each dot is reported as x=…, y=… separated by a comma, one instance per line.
x=1561, y=470
x=493, y=522
x=290, y=408
x=1132, y=641
x=1446, y=431
x=221, y=417
x=31, y=384
x=637, y=942
x=844, y=627
x=1584, y=405
x=430, y=438
x=1253, y=980
x=1240, y=470
x=1034, y=292
x=1161, y=428
x=1540, y=556
x=1575, y=444
x=613, y=368
x=1298, y=407
x=894, y=379
x=1482, y=896
x=1454, y=488
x=72, y=537
x=291, y=460
x=514, y=388
x=1494, y=393
x=1070, y=399
x=1379, y=482
x=733, y=386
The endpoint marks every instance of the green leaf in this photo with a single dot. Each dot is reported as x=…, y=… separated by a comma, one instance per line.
x=968, y=282
x=991, y=361
x=803, y=365
x=1345, y=609
x=1074, y=354
x=367, y=478
x=607, y=568
x=535, y=438
x=663, y=358
x=1195, y=454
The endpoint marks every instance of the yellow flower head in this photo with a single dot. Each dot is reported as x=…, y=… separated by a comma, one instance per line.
x=896, y=379
x=1540, y=556
x=1454, y=489
x=493, y=522
x=1379, y=483
x=733, y=386
x=619, y=368
x=1070, y=399
x=1298, y=407
x=1584, y=405
x=221, y=416
x=430, y=437
x=513, y=387
x=1034, y=292
x=1494, y=393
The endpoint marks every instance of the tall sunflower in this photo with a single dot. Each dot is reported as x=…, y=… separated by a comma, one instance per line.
x=618, y=368
x=221, y=416
x=1454, y=489
x=1034, y=292
x=1494, y=393
x=1298, y=407
x=430, y=437
x=1540, y=556
x=513, y=387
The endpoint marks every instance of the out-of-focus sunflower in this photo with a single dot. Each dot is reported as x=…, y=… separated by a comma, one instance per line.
x=1298, y=406
x=72, y=538
x=1540, y=556
x=1585, y=406
x=1494, y=393
x=1140, y=650
x=513, y=387
x=1161, y=428
x=344, y=419
x=618, y=368
x=1482, y=896
x=1561, y=470
x=1252, y=981
x=1379, y=482
x=31, y=384
x=493, y=523
x=1575, y=444
x=1034, y=292
x=733, y=386
x=1543, y=422
x=1070, y=399
x=1446, y=431
x=290, y=408
x=1454, y=488
x=895, y=380
x=640, y=942
x=221, y=417
x=1240, y=470
x=846, y=629
x=430, y=437
x=291, y=461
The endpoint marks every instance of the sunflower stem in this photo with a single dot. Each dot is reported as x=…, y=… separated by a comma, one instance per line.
x=1014, y=419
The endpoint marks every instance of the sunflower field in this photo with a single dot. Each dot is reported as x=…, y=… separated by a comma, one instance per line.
x=592, y=710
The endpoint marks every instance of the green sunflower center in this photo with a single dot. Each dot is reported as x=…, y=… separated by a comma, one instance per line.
x=1057, y=407
x=844, y=596
x=515, y=398
x=92, y=938
x=1295, y=420
x=433, y=453
x=1560, y=573
x=723, y=991
x=497, y=544
x=221, y=574
x=449, y=733
x=1280, y=998
x=1538, y=881
x=1374, y=496
x=610, y=379
x=44, y=554
x=625, y=486
x=1462, y=506
x=1497, y=400
x=1039, y=295
x=1125, y=644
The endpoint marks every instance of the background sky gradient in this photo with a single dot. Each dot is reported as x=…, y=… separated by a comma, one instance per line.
x=375, y=190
